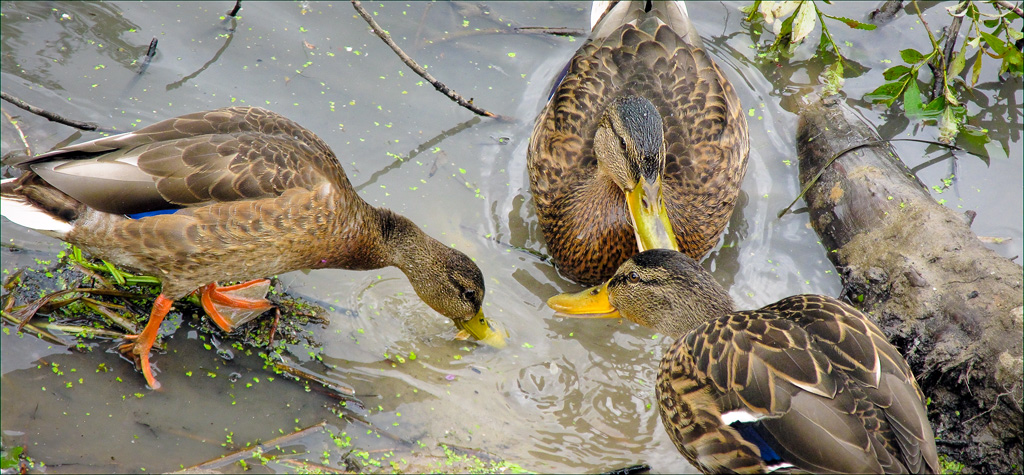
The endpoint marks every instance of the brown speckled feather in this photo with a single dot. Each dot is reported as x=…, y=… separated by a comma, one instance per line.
x=231, y=194
x=583, y=219
x=261, y=195
x=255, y=194
x=830, y=393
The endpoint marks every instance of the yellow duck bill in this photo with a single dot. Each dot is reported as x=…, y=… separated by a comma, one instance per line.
x=481, y=329
x=588, y=303
x=650, y=217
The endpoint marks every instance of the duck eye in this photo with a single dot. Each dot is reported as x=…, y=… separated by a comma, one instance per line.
x=622, y=143
x=469, y=295
x=633, y=277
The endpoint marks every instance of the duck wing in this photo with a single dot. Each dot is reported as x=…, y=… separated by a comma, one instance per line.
x=807, y=384
x=224, y=155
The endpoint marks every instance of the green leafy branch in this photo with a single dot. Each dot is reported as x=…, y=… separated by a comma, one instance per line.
x=800, y=22
x=991, y=33
x=946, y=67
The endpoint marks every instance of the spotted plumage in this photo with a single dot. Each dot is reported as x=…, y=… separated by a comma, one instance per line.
x=636, y=51
x=231, y=194
x=806, y=384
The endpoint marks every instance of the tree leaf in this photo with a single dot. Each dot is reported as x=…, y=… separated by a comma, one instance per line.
x=786, y=26
x=948, y=126
x=1015, y=59
x=751, y=10
x=912, y=100
x=976, y=70
x=895, y=72
x=911, y=56
x=853, y=23
x=887, y=92
x=956, y=65
x=947, y=92
x=803, y=23
x=997, y=45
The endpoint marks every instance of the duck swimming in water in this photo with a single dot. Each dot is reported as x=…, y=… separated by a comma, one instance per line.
x=643, y=144
x=806, y=384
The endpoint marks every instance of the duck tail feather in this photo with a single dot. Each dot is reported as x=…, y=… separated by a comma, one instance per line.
x=607, y=16
x=21, y=211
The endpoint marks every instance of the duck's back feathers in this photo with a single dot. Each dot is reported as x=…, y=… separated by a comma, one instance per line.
x=234, y=182
x=808, y=382
x=223, y=155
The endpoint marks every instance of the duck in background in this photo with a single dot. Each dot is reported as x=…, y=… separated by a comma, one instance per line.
x=643, y=144
x=806, y=384
x=232, y=194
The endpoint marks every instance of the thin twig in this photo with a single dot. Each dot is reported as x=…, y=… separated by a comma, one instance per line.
x=54, y=117
x=30, y=328
x=299, y=373
x=149, y=55
x=1009, y=6
x=24, y=140
x=550, y=30
x=243, y=454
x=113, y=316
x=234, y=11
x=28, y=311
x=527, y=30
x=76, y=329
x=835, y=157
x=952, y=33
x=384, y=36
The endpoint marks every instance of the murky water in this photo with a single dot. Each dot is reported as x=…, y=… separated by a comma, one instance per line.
x=565, y=396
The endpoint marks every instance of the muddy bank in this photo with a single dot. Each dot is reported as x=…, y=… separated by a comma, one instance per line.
x=952, y=306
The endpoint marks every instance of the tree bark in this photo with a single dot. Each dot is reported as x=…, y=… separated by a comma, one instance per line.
x=952, y=306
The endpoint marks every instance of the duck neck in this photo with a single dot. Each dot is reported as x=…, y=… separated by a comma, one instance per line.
x=705, y=303
x=404, y=245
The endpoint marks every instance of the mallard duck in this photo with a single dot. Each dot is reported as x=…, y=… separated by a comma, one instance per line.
x=808, y=383
x=232, y=194
x=642, y=145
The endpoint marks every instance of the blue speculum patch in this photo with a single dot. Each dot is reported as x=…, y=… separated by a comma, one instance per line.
x=151, y=213
x=749, y=432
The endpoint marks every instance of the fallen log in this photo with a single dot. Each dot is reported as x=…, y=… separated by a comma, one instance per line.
x=952, y=306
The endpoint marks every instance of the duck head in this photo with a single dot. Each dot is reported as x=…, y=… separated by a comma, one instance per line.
x=630, y=149
x=454, y=287
x=661, y=289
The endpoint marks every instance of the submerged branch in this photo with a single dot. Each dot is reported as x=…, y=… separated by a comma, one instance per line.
x=149, y=55
x=234, y=11
x=235, y=457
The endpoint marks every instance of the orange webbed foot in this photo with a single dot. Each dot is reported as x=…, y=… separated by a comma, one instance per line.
x=234, y=305
x=140, y=345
